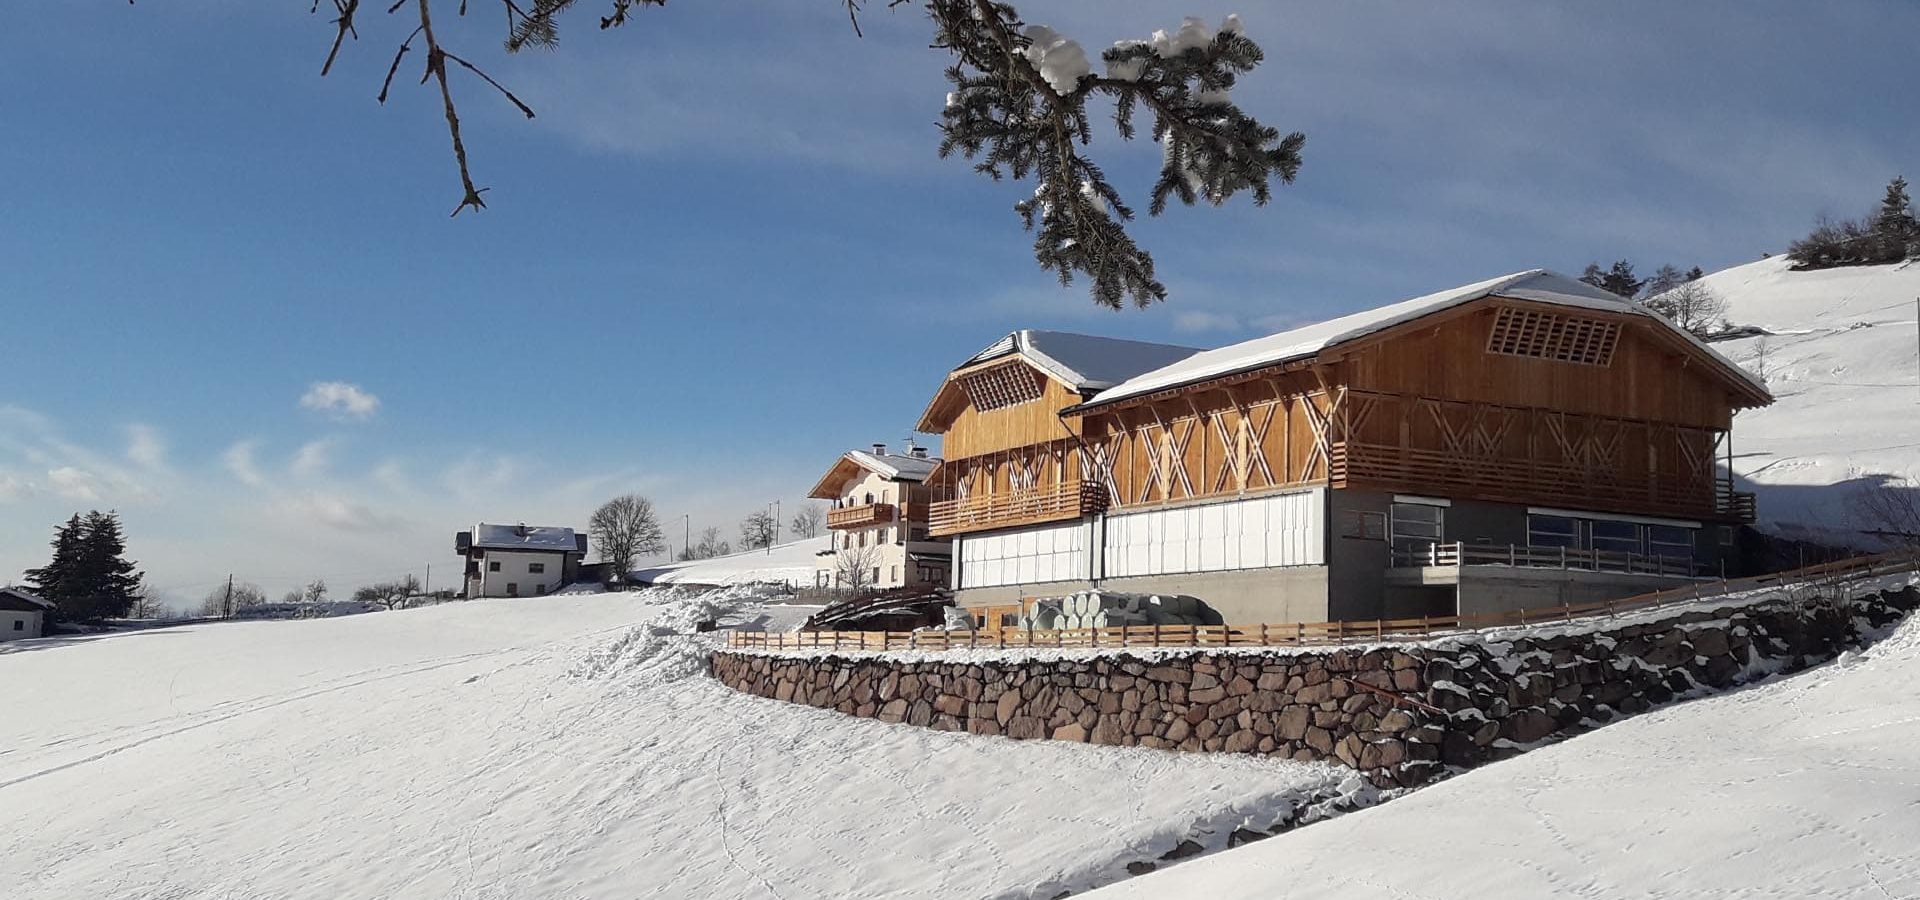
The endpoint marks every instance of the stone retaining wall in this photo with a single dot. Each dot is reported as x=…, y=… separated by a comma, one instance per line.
x=1401, y=715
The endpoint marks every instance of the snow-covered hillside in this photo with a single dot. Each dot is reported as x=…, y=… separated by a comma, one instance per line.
x=792, y=563
x=1808, y=786
x=559, y=747
x=1841, y=359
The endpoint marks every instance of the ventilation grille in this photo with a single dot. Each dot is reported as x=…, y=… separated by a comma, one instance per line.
x=1542, y=335
x=1001, y=386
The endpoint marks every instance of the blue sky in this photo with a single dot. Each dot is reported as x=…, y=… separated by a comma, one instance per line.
x=726, y=249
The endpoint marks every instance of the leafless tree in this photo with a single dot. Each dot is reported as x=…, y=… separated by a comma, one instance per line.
x=390, y=594
x=624, y=529
x=1762, y=355
x=756, y=531
x=1889, y=507
x=709, y=546
x=145, y=606
x=853, y=566
x=219, y=603
x=807, y=522
x=1692, y=306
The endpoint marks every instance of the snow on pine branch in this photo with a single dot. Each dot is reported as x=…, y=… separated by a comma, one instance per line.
x=1019, y=108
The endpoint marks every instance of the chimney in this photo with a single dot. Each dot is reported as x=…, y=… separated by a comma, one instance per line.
x=879, y=449
x=919, y=453
x=520, y=530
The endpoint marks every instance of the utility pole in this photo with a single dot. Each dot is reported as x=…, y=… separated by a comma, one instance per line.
x=226, y=604
x=686, y=536
x=426, y=587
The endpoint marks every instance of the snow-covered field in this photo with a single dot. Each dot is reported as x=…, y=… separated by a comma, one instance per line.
x=1842, y=363
x=557, y=747
x=792, y=563
x=1806, y=786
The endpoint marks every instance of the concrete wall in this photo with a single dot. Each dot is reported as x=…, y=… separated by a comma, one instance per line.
x=18, y=624
x=513, y=570
x=1495, y=589
x=1400, y=715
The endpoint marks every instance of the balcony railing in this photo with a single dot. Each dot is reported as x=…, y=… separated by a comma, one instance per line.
x=1458, y=554
x=860, y=516
x=1029, y=507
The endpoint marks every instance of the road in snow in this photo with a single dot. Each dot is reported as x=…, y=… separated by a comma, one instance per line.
x=1807, y=786
x=547, y=748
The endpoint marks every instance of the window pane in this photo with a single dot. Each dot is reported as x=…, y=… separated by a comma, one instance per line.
x=1552, y=525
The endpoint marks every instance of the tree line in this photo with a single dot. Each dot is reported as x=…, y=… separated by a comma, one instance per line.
x=1670, y=292
x=1889, y=234
x=628, y=527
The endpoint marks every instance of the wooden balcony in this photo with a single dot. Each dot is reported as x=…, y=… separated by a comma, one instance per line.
x=862, y=516
x=983, y=512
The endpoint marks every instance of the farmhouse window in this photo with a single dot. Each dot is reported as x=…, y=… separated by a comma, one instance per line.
x=1416, y=527
x=536, y=568
x=1365, y=525
x=513, y=590
x=1615, y=537
x=19, y=625
x=1553, y=531
x=493, y=566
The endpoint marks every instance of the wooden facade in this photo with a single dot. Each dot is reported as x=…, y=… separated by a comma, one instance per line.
x=1498, y=399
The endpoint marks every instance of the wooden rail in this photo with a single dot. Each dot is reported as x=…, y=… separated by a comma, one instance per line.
x=1297, y=634
x=1462, y=554
x=979, y=512
x=860, y=516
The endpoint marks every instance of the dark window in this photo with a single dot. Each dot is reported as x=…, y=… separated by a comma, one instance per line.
x=513, y=590
x=1669, y=540
x=1726, y=535
x=536, y=568
x=1615, y=537
x=1416, y=527
x=19, y=625
x=1364, y=525
x=540, y=589
x=493, y=567
x=1553, y=531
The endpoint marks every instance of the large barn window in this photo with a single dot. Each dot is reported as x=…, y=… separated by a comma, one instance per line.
x=1543, y=335
x=1001, y=386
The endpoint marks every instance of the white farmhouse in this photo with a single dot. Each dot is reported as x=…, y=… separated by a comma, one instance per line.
x=878, y=523
x=519, y=560
x=22, y=615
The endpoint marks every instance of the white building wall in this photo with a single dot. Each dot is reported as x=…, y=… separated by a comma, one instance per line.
x=1257, y=533
x=1024, y=556
x=16, y=624
x=514, y=570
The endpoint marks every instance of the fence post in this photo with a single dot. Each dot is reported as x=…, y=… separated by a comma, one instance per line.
x=1299, y=633
x=1263, y=636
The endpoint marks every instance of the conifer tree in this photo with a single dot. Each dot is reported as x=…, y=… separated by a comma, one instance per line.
x=89, y=576
x=1895, y=231
x=1664, y=279
x=1618, y=279
x=1019, y=107
x=57, y=580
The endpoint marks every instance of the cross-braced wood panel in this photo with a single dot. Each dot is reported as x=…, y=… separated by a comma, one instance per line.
x=1544, y=335
x=1001, y=386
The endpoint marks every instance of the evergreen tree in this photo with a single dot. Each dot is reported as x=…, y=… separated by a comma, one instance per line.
x=1896, y=234
x=89, y=576
x=1620, y=280
x=1664, y=280
x=1696, y=273
x=1594, y=275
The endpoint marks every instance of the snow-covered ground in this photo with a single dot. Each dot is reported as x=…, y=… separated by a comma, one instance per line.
x=792, y=563
x=1842, y=363
x=559, y=747
x=1807, y=786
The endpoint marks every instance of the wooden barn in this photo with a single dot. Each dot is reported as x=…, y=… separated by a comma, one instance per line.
x=1524, y=441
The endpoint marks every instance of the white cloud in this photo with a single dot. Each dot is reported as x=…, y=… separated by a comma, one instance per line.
x=74, y=484
x=313, y=458
x=12, y=488
x=340, y=400
x=338, y=512
x=239, y=461
x=146, y=448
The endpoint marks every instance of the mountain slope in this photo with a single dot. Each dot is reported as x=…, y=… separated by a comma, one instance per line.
x=1841, y=361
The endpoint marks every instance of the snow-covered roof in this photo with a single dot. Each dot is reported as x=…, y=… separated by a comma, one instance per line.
x=1083, y=361
x=1537, y=285
x=27, y=596
x=527, y=537
x=894, y=465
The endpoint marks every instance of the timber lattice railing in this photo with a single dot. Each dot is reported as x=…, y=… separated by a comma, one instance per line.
x=1299, y=634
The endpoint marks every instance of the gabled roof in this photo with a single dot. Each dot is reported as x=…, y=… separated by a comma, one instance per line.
x=528, y=537
x=1536, y=285
x=22, y=596
x=1084, y=363
x=887, y=465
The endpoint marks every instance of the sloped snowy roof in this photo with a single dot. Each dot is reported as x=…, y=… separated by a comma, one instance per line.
x=27, y=596
x=511, y=537
x=1083, y=361
x=1538, y=285
x=893, y=465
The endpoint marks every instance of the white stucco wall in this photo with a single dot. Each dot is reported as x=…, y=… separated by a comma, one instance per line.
x=15, y=624
x=896, y=570
x=1258, y=533
x=514, y=570
x=1036, y=555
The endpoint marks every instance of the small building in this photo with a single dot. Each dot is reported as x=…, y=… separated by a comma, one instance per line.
x=519, y=560
x=1523, y=441
x=22, y=614
x=878, y=522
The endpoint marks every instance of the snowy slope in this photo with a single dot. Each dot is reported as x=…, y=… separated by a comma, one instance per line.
x=1804, y=787
x=562, y=747
x=790, y=563
x=1841, y=360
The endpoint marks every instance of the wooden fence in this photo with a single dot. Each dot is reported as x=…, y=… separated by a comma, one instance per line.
x=1298, y=634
